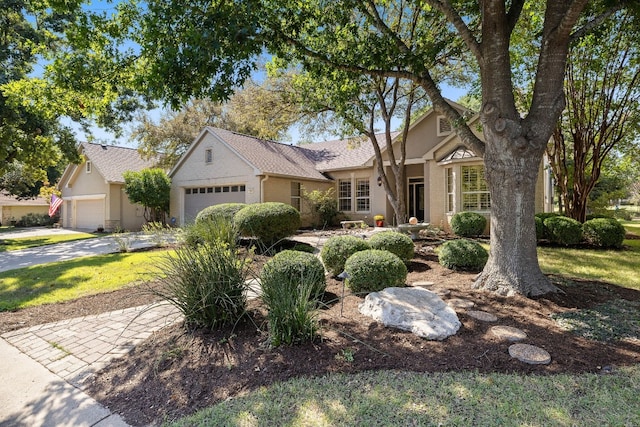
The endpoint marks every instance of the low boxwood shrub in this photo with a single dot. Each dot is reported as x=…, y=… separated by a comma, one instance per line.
x=604, y=232
x=468, y=224
x=291, y=283
x=224, y=210
x=394, y=242
x=373, y=270
x=563, y=230
x=338, y=249
x=269, y=221
x=289, y=267
x=463, y=254
x=542, y=216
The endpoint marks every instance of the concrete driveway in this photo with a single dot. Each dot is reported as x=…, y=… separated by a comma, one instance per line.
x=66, y=250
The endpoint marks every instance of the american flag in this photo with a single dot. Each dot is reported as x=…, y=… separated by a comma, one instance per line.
x=55, y=204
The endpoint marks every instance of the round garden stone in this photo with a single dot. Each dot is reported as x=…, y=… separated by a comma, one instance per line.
x=482, y=315
x=529, y=354
x=508, y=333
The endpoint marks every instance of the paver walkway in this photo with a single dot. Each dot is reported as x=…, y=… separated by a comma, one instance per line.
x=75, y=348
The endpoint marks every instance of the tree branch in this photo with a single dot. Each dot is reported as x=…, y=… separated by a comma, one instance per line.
x=514, y=14
x=454, y=18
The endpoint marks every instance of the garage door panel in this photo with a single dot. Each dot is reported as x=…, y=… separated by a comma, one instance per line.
x=196, y=199
x=90, y=214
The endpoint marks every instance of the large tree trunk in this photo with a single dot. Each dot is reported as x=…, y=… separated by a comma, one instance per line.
x=513, y=261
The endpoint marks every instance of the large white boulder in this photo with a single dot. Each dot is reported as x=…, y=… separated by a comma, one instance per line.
x=417, y=310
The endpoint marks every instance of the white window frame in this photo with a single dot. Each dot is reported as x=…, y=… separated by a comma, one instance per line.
x=296, y=195
x=208, y=156
x=345, y=202
x=471, y=189
x=450, y=190
x=363, y=195
x=444, y=126
x=87, y=167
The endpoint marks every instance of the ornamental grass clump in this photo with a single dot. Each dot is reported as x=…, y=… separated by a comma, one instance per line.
x=269, y=222
x=211, y=229
x=338, y=249
x=397, y=243
x=373, y=270
x=206, y=282
x=604, y=232
x=468, y=224
x=292, y=283
x=563, y=230
x=463, y=254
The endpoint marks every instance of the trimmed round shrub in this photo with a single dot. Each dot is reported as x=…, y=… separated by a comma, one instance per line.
x=373, y=270
x=397, y=243
x=269, y=221
x=463, y=254
x=563, y=230
x=293, y=269
x=338, y=249
x=224, y=210
x=542, y=216
x=468, y=224
x=604, y=232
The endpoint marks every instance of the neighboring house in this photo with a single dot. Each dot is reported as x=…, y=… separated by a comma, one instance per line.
x=93, y=191
x=443, y=177
x=12, y=209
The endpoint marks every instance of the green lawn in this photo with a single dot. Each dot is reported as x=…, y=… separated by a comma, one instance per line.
x=452, y=399
x=31, y=242
x=68, y=280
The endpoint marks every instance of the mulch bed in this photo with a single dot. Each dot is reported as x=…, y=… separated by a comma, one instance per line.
x=176, y=372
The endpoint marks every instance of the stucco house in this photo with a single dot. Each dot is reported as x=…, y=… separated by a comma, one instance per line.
x=443, y=177
x=12, y=209
x=93, y=191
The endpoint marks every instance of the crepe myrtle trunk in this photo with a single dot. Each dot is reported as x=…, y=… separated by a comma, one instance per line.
x=511, y=171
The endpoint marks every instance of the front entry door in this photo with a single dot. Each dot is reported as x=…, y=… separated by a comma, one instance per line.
x=416, y=198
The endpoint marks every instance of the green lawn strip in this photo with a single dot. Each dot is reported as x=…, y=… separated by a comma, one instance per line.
x=392, y=398
x=632, y=227
x=619, y=267
x=68, y=280
x=31, y=242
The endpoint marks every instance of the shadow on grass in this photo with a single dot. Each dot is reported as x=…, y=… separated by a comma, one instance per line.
x=20, y=287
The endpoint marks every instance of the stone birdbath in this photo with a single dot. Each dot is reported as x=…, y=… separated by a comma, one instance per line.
x=413, y=227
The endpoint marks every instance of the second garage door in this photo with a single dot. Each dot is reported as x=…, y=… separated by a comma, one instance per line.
x=196, y=199
x=90, y=214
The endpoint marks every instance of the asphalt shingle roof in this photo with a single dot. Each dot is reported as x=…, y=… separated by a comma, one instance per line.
x=304, y=161
x=112, y=161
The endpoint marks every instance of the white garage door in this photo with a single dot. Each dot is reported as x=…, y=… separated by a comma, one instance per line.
x=90, y=214
x=196, y=199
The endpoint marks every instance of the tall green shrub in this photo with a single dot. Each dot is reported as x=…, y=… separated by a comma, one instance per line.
x=337, y=249
x=269, y=221
x=468, y=224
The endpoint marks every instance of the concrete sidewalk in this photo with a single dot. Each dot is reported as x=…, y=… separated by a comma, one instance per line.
x=45, y=367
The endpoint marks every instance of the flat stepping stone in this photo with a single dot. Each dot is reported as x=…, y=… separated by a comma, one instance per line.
x=482, y=315
x=423, y=284
x=529, y=354
x=460, y=303
x=508, y=333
